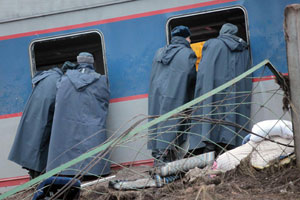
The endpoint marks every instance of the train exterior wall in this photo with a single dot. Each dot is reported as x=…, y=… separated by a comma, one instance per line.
x=133, y=31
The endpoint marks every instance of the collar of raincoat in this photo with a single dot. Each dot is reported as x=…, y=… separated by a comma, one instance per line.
x=82, y=77
x=168, y=53
x=228, y=36
x=85, y=65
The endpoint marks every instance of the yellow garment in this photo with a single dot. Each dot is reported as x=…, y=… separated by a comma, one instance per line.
x=197, y=48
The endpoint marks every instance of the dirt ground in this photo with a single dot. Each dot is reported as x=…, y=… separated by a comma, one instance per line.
x=243, y=183
x=273, y=183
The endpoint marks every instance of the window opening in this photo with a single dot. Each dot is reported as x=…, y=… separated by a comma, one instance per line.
x=207, y=25
x=52, y=52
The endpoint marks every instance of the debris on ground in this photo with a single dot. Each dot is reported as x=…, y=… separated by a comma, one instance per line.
x=244, y=182
x=279, y=181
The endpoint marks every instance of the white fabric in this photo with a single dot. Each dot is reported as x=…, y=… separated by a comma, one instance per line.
x=230, y=159
x=261, y=153
x=269, y=128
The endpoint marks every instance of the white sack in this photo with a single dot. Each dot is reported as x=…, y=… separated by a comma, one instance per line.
x=270, y=128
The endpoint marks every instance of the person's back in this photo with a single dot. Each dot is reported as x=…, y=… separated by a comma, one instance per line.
x=171, y=67
x=223, y=58
x=79, y=122
x=30, y=148
x=171, y=85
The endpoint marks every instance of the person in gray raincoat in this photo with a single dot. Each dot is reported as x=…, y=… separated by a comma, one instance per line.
x=79, y=122
x=172, y=84
x=30, y=147
x=224, y=58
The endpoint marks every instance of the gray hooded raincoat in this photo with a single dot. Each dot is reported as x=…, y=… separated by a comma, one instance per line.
x=79, y=122
x=223, y=59
x=30, y=148
x=172, y=84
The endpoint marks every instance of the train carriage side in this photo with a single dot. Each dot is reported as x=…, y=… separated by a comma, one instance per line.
x=124, y=45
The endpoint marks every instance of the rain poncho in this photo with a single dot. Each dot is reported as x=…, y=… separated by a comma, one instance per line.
x=30, y=148
x=223, y=59
x=171, y=85
x=79, y=123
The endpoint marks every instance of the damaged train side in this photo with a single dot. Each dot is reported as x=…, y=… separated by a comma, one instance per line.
x=123, y=36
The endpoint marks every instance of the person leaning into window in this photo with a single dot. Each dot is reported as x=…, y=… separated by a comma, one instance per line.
x=172, y=84
x=223, y=58
x=79, y=122
x=30, y=147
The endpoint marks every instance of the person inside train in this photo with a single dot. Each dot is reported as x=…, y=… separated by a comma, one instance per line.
x=172, y=83
x=197, y=48
x=223, y=58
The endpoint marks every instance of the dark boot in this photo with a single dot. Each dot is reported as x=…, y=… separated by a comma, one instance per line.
x=209, y=147
x=33, y=174
x=161, y=157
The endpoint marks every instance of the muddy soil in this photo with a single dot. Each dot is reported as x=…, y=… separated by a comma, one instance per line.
x=282, y=183
x=273, y=183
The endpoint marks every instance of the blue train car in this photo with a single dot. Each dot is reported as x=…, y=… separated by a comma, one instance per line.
x=123, y=36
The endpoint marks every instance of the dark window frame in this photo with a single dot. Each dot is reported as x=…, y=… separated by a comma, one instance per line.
x=70, y=36
x=207, y=12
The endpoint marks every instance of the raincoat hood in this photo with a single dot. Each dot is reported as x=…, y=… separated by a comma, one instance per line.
x=228, y=36
x=167, y=54
x=82, y=78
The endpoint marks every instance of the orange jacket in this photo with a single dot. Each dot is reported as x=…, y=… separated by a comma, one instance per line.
x=197, y=47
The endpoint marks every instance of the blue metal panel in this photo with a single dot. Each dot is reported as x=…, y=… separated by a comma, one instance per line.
x=130, y=52
x=266, y=20
x=130, y=47
x=15, y=80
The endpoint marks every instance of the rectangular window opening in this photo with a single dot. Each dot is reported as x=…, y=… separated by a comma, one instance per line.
x=207, y=25
x=53, y=52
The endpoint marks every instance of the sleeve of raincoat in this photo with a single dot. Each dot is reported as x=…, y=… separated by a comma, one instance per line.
x=192, y=75
x=206, y=77
x=205, y=73
x=212, y=54
x=186, y=64
x=103, y=94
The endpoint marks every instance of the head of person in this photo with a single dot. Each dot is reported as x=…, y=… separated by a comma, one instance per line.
x=229, y=28
x=181, y=31
x=85, y=58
